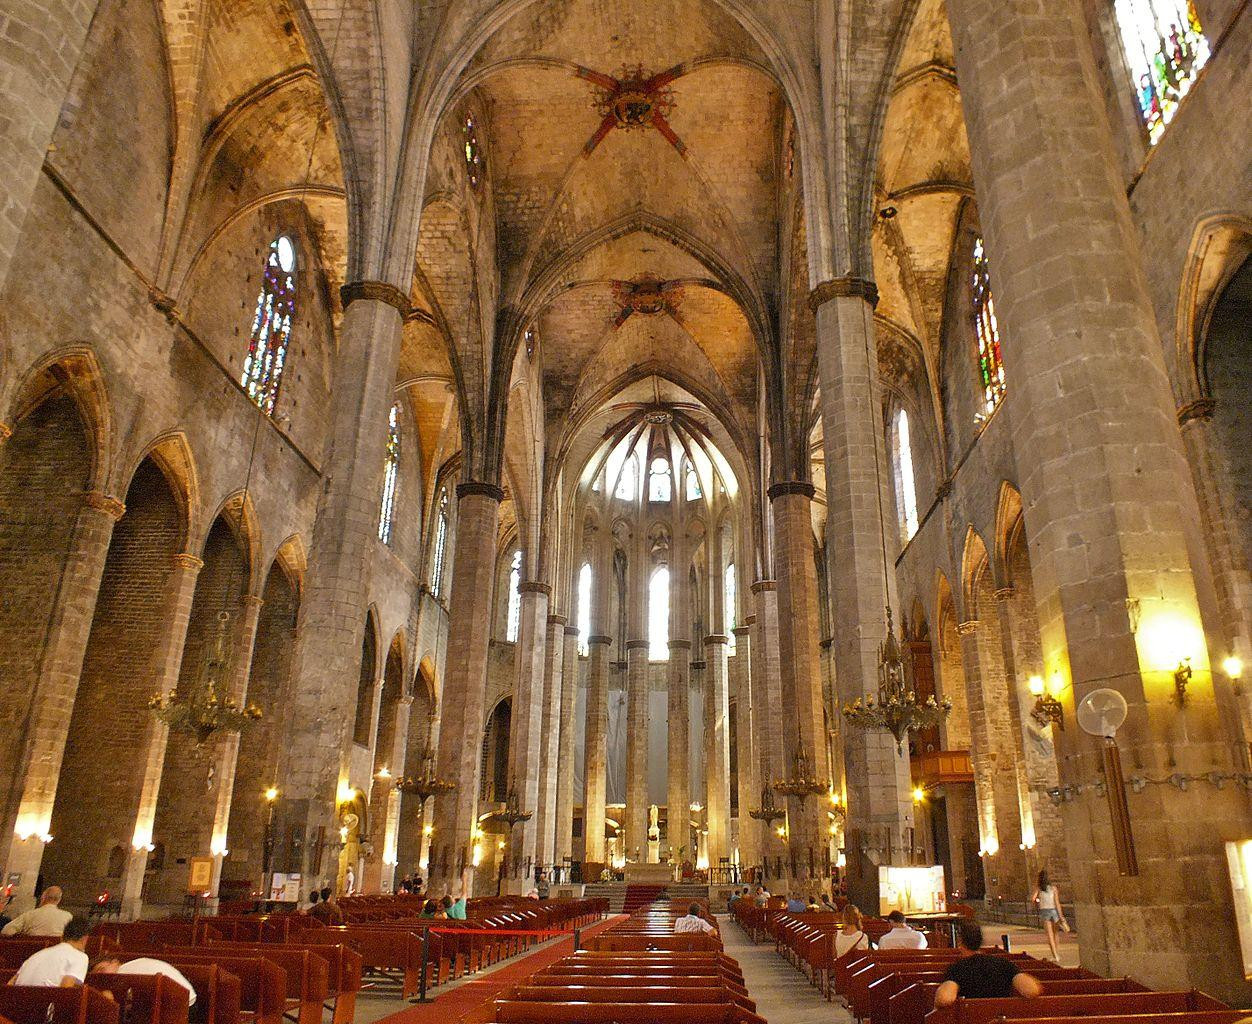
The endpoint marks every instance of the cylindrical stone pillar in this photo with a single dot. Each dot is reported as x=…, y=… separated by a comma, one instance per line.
x=748, y=783
x=596, y=752
x=565, y=756
x=525, y=738
x=62, y=664
x=549, y=740
x=717, y=749
x=767, y=715
x=465, y=685
x=1111, y=558
x=636, y=749
x=678, y=750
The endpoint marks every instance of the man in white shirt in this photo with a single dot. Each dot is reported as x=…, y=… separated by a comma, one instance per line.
x=901, y=935
x=61, y=966
x=693, y=922
x=46, y=919
x=150, y=966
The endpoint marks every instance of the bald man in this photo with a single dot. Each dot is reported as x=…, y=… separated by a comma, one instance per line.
x=46, y=919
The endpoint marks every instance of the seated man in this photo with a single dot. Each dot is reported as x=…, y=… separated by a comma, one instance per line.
x=61, y=966
x=979, y=975
x=762, y=896
x=46, y=919
x=456, y=908
x=149, y=966
x=693, y=922
x=796, y=904
x=901, y=935
x=327, y=911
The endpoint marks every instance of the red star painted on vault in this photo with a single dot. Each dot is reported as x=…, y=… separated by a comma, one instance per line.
x=633, y=100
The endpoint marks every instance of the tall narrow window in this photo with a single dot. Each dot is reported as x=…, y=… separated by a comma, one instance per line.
x=390, y=470
x=660, y=484
x=515, y=598
x=692, y=482
x=441, y=544
x=1165, y=49
x=584, y=608
x=728, y=596
x=905, y=486
x=658, y=615
x=628, y=480
x=473, y=152
x=271, y=325
x=990, y=367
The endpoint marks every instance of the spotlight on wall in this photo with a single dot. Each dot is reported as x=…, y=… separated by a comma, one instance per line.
x=919, y=794
x=1182, y=676
x=1047, y=709
x=1233, y=667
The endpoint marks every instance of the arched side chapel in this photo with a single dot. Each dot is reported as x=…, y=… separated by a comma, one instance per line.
x=608, y=387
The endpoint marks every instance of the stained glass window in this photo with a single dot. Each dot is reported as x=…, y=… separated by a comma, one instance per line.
x=904, y=476
x=659, y=483
x=729, y=598
x=990, y=366
x=692, y=483
x=584, y=608
x=473, y=152
x=1165, y=49
x=271, y=325
x=658, y=615
x=441, y=544
x=628, y=480
x=515, y=598
x=390, y=469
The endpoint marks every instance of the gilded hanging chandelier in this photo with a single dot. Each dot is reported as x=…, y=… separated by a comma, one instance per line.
x=200, y=712
x=897, y=708
x=768, y=812
x=512, y=812
x=803, y=782
x=426, y=784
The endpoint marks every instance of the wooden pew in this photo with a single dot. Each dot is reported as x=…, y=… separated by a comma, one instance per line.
x=592, y=993
x=612, y=942
x=27, y=1004
x=526, y=1012
x=262, y=983
x=343, y=970
x=985, y=1011
x=1055, y=981
x=217, y=994
x=145, y=998
x=305, y=973
x=394, y=953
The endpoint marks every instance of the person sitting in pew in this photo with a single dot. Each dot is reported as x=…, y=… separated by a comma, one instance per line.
x=61, y=966
x=147, y=965
x=46, y=919
x=692, y=923
x=851, y=935
x=327, y=911
x=979, y=975
x=901, y=935
x=454, y=909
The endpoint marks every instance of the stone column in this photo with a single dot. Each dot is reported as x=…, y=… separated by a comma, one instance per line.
x=877, y=773
x=801, y=674
x=41, y=43
x=68, y=632
x=678, y=745
x=167, y=658
x=525, y=737
x=327, y=660
x=636, y=746
x=994, y=763
x=717, y=747
x=596, y=751
x=565, y=755
x=749, y=786
x=1108, y=495
x=549, y=739
x=243, y=641
x=386, y=799
x=465, y=684
x=767, y=712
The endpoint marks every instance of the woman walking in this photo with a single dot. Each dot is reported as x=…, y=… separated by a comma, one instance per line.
x=1048, y=899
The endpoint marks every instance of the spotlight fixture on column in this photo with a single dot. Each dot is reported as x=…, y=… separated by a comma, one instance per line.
x=802, y=783
x=1047, y=709
x=427, y=783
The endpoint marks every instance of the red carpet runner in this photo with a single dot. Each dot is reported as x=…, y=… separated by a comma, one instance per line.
x=470, y=1002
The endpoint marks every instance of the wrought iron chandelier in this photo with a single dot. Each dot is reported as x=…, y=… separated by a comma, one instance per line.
x=512, y=812
x=803, y=782
x=897, y=708
x=768, y=812
x=200, y=712
x=426, y=784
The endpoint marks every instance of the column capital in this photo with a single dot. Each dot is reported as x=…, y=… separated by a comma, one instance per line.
x=534, y=587
x=479, y=487
x=110, y=506
x=761, y=585
x=716, y=638
x=790, y=487
x=1003, y=593
x=634, y=645
x=749, y=620
x=698, y=666
x=1200, y=409
x=377, y=291
x=252, y=601
x=744, y=630
x=680, y=645
x=842, y=287
x=571, y=631
x=967, y=628
x=599, y=638
x=558, y=620
x=186, y=560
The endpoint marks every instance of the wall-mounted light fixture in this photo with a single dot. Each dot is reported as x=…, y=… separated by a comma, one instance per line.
x=1047, y=709
x=1182, y=676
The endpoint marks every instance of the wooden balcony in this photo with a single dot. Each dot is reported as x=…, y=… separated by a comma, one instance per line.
x=941, y=767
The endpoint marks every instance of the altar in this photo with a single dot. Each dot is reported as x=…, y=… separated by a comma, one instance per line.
x=648, y=874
